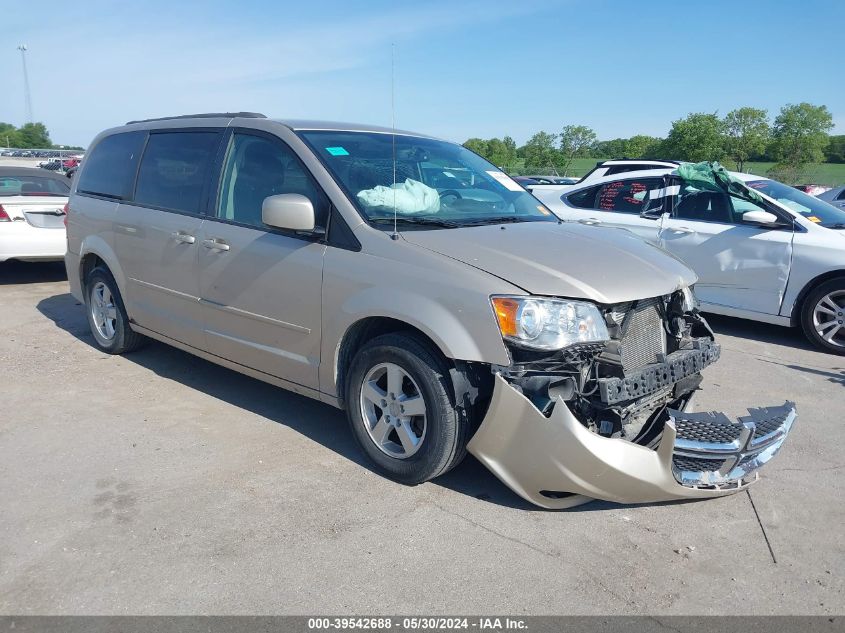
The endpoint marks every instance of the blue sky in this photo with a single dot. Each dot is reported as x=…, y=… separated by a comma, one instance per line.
x=463, y=68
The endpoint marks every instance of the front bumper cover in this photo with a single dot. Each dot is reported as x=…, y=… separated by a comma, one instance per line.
x=556, y=462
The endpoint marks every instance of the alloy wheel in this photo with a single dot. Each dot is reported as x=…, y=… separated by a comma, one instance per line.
x=393, y=410
x=103, y=311
x=829, y=318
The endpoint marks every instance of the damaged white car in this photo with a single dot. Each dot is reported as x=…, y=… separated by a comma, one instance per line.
x=413, y=284
x=762, y=250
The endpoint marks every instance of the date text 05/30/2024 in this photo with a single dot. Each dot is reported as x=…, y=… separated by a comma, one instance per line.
x=418, y=623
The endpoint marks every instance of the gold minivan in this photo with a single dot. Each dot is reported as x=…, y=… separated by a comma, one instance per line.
x=418, y=287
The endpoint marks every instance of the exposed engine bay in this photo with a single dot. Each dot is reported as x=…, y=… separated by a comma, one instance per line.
x=623, y=388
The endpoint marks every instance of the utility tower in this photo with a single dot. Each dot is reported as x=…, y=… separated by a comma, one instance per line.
x=27, y=95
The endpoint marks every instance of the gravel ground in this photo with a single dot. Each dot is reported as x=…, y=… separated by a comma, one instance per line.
x=158, y=483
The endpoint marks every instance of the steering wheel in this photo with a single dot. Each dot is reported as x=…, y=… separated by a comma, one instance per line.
x=450, y=192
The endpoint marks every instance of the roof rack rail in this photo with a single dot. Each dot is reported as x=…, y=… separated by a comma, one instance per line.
x=206, y=115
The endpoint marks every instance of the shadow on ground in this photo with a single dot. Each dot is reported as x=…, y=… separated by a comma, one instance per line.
x=756, y=331
x=319, y=422
x=14, y=272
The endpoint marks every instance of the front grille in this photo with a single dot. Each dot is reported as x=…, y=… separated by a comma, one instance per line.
x=712, y=451
x=768, y=426
x=712, y=431
x=694, y=464
x=643, y=335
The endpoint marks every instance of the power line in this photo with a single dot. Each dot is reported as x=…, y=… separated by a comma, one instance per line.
x=27, y=96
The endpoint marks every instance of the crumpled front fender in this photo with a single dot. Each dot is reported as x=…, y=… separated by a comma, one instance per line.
x=556, y=462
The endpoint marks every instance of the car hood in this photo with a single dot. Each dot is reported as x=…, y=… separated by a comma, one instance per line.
x=606, y=265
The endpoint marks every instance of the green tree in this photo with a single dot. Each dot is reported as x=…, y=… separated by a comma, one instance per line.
x=34, y=135
x=477, y=145
x=641, y=146
x=746, y=134
x=9, y=135
x=800, y=134
x=499, y=153
x=614, y=148
x=540, y=152
x=835, y=152
x=574, y=140
x=696, y=138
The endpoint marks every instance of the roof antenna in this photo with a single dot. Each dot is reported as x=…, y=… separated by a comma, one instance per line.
x=395, y=235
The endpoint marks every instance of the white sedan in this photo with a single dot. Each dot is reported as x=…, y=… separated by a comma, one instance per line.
x=32, y=214
x=762, y=250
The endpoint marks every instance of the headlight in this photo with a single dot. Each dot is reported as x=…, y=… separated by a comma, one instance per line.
x=548, y=324
x=689, y=301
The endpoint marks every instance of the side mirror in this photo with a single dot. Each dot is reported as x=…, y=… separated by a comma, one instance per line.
x=761, y=218
x=289, y=211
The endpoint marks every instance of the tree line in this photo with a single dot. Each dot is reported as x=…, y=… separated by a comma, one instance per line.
x=798, y=135
x=28, y=136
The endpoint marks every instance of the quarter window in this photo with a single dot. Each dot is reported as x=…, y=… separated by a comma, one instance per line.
x=110, y=166
x=257, y=168
x=174, y=170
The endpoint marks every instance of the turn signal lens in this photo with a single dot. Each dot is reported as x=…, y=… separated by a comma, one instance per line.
x=4, y=217
x=506, y=309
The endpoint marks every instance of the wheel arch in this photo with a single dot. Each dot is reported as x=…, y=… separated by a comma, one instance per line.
x=798, y=305
x=364, y=330
x=96, y=251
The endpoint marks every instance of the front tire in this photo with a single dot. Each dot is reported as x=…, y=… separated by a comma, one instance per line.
x=401, y=410
x=823, y=316
x=107, y=315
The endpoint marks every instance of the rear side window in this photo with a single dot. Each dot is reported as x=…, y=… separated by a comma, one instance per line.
x=110, y=167
x=627, y=196
x=621, y=196
x=174, y=169
x=584, y=199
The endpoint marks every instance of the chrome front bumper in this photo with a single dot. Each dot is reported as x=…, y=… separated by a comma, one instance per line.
x=556, y=462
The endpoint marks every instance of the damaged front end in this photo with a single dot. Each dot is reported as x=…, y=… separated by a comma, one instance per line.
x=613, y=420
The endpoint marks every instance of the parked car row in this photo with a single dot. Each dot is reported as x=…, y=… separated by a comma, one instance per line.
x=36, y=153
x=411, y=283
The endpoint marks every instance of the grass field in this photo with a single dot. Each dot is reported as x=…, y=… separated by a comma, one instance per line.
x=816, y=173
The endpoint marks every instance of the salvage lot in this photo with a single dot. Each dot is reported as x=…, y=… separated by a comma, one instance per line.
x=160, y=483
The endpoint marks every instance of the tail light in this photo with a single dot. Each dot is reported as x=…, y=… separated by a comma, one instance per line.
x=66, y=209
x=4, y=217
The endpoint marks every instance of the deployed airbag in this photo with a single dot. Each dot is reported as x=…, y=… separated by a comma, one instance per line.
x=411, y=197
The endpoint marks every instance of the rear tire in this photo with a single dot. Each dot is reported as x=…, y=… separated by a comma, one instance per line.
x=107, y=315
x=401, y=410
x=823, y=316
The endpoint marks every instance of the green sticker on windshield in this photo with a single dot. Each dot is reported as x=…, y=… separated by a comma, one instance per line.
x=337, y=151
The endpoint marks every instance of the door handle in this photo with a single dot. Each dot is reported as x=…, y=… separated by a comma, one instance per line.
x=183, y=237
x=683, y=230
x=590, y=221
x=216, y=244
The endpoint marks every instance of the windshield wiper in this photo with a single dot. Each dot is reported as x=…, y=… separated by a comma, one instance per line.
x=448, y=224
x=504, y=219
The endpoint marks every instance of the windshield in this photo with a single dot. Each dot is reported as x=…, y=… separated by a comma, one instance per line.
x=437, y=184
x=806, y=206
x=32, y=186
